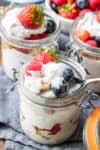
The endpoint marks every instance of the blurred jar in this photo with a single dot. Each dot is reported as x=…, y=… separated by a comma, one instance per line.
x=17, y=51
x=87, y=55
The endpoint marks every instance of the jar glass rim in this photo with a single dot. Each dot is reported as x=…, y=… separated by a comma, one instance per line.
x=58, y=102
x=91, y=50
x=32, y=43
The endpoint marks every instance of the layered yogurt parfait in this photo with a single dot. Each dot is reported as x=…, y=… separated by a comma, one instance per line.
x=24, y=29
x=68, y=10
x=86, y=42
x=50, y=95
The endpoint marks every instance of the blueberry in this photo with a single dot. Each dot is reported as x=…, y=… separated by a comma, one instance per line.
x=54, y=7
x=61, y=91
x=57, y=91
x=82, y=4
x=51, y=26
x=97, y=39
x=68, y=74
x=64, y=89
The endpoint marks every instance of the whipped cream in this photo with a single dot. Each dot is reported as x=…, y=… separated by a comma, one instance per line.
x=89, y=23
x=50, y=72
x=13, y=27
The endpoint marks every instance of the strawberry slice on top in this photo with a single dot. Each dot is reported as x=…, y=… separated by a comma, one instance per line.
x=31, y=16
x=39, y=59
x=34, y=66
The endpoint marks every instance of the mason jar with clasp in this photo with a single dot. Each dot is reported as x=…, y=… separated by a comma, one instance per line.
x=16, y=48
x=52, y=120
x=84, y=53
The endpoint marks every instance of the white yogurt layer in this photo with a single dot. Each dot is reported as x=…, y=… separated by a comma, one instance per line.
x=13, y=27
x=89, y=23
x=50, y=73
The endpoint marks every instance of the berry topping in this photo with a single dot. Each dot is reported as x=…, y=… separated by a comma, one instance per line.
x=54, y=7
x=57, y=91
x=61, y=91
x=97, y=39
x=69, y=11
x=59, y=2
x=34, y=66
x=44, y=57
x=72, y=8
x=82, y=4
x=31, y=16
x=53, y=78
x=67, y=74
x=92, y=43
x=83, y=35
x=37, y=36
x=51, y=26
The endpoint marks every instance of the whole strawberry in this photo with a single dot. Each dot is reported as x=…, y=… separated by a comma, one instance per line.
x=94, y=4
x=69, y=11
x=59, y=2
x=31, y=16
x=83, y=35
x=44, y=57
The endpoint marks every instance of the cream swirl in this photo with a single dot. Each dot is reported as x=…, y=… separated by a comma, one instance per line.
x=13, y=27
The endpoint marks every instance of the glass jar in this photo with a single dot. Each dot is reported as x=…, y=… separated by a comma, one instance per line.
x=51, y=120
x=91, y=133
x=16, y=51
x=87, y=55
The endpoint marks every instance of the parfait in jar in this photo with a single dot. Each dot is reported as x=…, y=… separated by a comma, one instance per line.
x=50, y=93
x=24, y=30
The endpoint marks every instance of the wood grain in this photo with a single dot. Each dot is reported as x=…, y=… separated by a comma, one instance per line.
x=2, y=143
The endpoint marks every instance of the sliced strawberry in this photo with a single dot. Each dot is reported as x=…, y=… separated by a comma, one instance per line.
x=37, y=36
x=70, y=1
x=39, y=59
x=44, y=58
x=55, y=129
x=59, y=2
x=31, y=16
x=83, y=35
x=84, y=11
x=23, y=50
x=98, y=16
x=34, y=66
x=92, y=43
